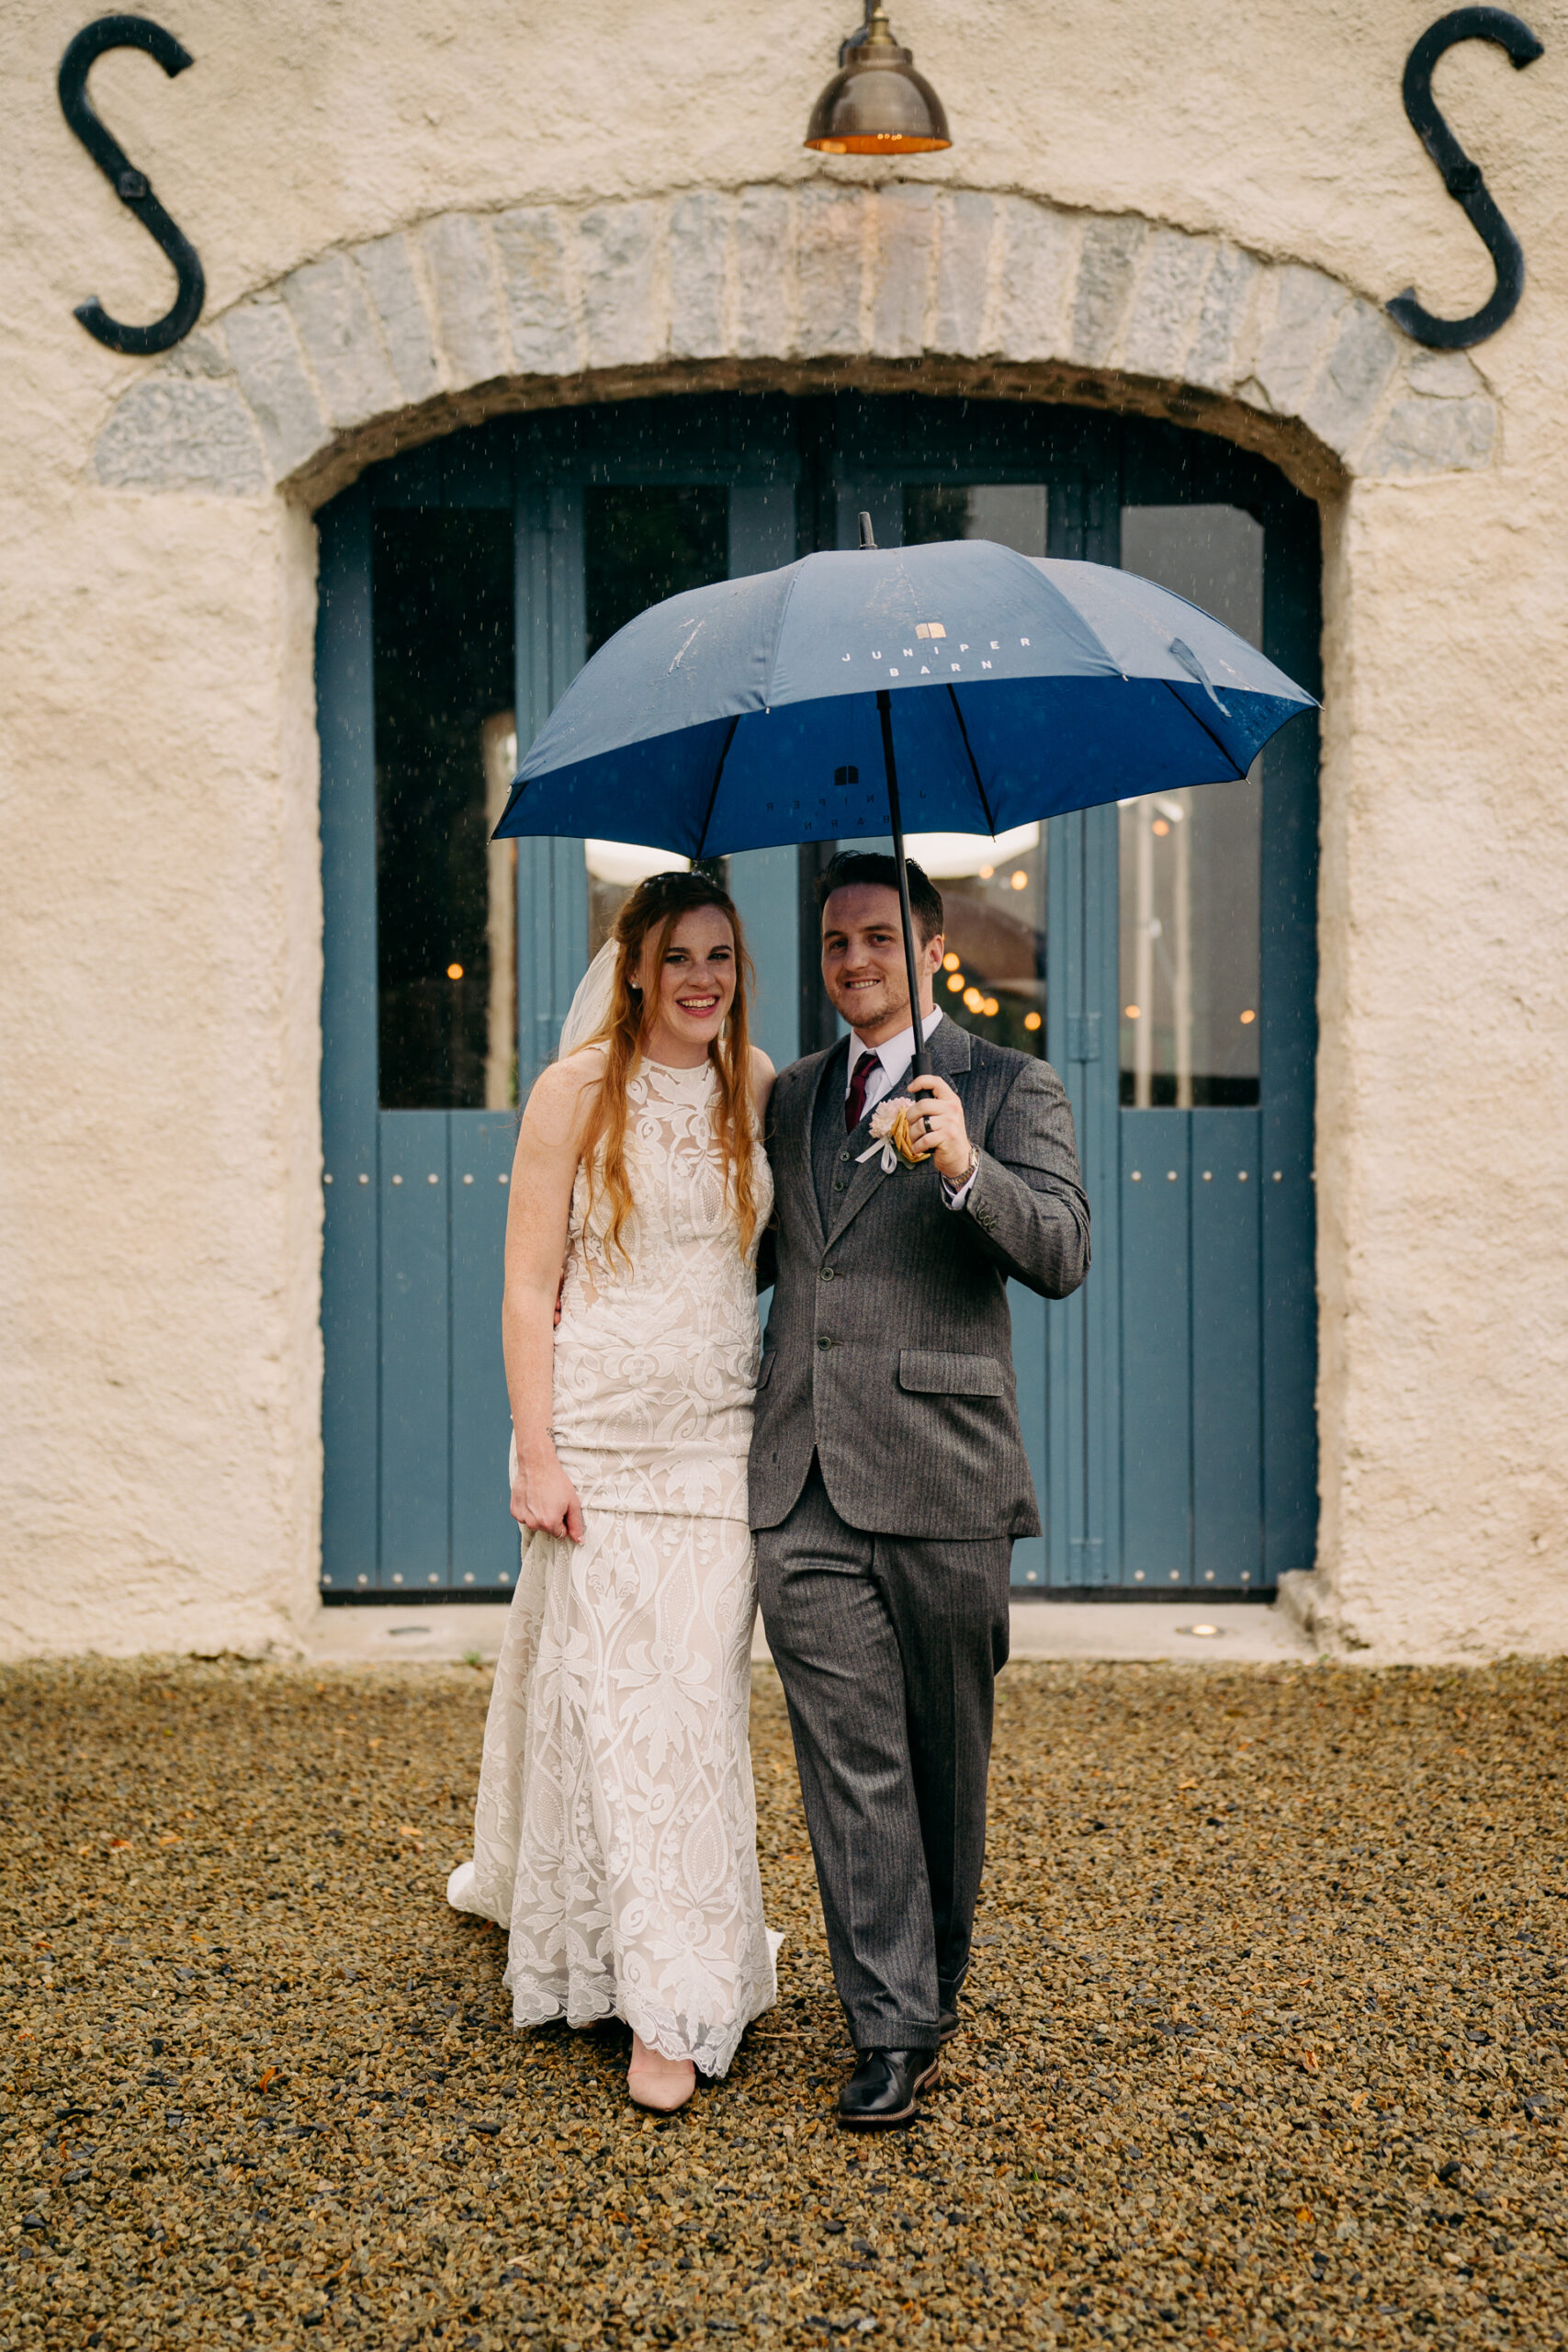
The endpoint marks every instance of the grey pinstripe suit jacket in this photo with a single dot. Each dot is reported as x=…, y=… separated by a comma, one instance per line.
x=888, y=1350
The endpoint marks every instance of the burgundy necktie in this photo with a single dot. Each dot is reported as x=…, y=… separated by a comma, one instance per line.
x=854, y=1100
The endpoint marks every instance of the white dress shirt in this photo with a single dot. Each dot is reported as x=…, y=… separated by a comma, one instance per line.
x=892, y=1059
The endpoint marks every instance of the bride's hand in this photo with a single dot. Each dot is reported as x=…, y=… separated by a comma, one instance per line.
x=543, y=1499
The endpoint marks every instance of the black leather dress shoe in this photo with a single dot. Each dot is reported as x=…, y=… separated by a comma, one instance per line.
x=884, y=2087
x=947, y=2024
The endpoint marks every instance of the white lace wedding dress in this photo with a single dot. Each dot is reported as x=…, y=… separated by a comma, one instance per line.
x=615, y=1832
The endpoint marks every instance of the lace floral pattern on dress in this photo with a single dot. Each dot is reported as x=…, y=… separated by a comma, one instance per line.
x=615, y=1832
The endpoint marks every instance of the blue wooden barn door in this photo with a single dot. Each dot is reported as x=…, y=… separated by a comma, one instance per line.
x=461, y=588
x=1207, y=1034
x=1168, y=1407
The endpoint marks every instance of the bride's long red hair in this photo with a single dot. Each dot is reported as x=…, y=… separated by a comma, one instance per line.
x=653, y=909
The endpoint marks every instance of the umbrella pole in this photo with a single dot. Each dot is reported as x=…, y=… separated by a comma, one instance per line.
x=884, y=711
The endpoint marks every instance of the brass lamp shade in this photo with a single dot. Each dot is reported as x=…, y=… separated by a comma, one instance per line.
x=876, y=104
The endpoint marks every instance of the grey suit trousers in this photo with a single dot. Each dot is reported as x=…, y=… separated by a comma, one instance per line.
x=887, y=1647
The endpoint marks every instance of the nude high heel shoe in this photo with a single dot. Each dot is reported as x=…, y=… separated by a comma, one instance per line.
x=661, y=2084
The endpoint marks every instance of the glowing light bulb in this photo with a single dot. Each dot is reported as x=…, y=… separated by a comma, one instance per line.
x=1019, y=880
x=990, y=1007
x=950, y=962
x=1247, y=1017
x=974, y=1000
x=454, y=971
x=955, y=982
x=1162, y=827
x=1131, y=1010
x=1032, y=1020
x=986, y=872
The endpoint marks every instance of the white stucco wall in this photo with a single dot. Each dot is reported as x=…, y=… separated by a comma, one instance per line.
x=1123, y=177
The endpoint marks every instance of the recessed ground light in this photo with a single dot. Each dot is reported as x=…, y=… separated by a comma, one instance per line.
x=1203, y=1632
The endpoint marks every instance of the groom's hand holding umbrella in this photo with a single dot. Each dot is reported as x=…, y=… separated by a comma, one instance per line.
x=940, y=1131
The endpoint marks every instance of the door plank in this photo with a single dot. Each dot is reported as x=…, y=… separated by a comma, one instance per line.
x=415, y=1351
x=1156, y=1314
x=484, y=1533
x=1227, y=1349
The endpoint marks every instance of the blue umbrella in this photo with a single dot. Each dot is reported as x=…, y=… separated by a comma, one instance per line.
x=959, y=686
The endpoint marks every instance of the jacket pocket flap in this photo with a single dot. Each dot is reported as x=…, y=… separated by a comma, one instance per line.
x=765, y=1369
x=930, y=1372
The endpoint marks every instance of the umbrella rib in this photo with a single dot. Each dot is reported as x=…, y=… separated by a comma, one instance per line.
x=717, y=773
x=1197, y=715
x=974, y=769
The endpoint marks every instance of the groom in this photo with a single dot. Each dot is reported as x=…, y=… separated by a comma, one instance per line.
x=889, y=1477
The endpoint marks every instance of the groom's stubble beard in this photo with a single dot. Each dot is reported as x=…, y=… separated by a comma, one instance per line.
x=885, y=1010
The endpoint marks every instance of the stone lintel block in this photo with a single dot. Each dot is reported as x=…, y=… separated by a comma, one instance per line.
x=332, y=311
x=1362, y=361
x=904, y=224
x=1218, y=358
x=1039, y=263
x=1105, y=270
x=764, y=278
x=699, y=252
x=1162, y=324
x=458, y=259
x=275, y=380
x=1306, y=306
x=830, y=260
x=1421, y=436
x=387, y=265
x=199, y=355
x=179, y=433
x=967, y=222
x=1444, y=375
x=532, y=246
x=617, y=254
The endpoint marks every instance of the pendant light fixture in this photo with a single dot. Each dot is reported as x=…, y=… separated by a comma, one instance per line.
x=876, y=104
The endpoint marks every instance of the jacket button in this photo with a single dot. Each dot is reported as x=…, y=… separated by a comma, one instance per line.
x=824, y=1341
x=843, y=1155
x=830, y=1273
x=838, y=1184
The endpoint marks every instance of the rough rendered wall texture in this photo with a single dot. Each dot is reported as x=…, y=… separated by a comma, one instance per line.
x=409, y=217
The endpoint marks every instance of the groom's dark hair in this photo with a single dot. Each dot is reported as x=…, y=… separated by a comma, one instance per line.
x=861, y=866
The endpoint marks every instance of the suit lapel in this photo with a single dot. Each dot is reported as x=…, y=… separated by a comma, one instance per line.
x=803, y=1146
x=950, y=1060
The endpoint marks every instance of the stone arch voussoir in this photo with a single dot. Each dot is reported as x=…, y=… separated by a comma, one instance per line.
x=394, y=341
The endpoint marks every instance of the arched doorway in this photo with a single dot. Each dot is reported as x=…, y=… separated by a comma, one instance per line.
x=1161, y=955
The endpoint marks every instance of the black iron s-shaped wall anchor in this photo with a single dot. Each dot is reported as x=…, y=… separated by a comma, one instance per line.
x=1462, y=178
x=130, y=185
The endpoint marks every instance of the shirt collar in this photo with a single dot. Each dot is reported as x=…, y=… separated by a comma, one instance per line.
x=896, y=1051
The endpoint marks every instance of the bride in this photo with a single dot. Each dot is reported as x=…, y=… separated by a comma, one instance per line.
x=615, y=1832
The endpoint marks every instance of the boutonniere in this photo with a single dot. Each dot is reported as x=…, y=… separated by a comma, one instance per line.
x=891, y=1131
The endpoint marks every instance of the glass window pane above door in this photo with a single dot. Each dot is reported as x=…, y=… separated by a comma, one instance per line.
x=446, y=741
x=644, y=541
x=1011, y=513
x=1188, y=876
x=993, y=892
x=1190, y=861
x=1211, y=555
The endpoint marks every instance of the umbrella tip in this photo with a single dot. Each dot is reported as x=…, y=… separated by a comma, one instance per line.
x=867, y=535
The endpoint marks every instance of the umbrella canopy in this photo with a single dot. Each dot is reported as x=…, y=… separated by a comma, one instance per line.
x=746, y=715
x=957, y=688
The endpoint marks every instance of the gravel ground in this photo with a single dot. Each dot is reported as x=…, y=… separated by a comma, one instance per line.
x=1263, y=2045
